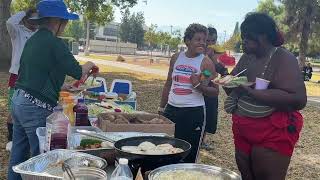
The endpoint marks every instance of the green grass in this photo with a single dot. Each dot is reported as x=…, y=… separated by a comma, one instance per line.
x=103, y=57
x=130, y=60
x=139, y=75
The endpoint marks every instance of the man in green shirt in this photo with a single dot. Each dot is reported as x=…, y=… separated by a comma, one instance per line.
x=45, y=62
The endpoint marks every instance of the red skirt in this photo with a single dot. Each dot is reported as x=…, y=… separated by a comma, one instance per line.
x=279, y=132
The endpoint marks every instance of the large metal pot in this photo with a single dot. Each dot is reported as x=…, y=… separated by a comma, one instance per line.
x=213, y=171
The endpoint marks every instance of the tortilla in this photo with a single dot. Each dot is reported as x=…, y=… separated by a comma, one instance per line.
x=146, y=146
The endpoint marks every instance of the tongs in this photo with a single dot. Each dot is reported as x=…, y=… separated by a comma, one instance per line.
x=95, y=135
x=94, y=70
x=66, y=168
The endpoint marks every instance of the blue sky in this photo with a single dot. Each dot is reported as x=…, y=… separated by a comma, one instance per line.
x=222, y=14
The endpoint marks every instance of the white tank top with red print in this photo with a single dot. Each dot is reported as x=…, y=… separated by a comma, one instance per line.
x=182, y=93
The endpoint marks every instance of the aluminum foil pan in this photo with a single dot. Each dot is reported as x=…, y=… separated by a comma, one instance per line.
x=48, y=165
x=216, y=173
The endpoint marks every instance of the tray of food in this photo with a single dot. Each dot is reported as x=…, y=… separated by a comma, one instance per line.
x=135, y=122
x=85, y=143
x=49, y=165
x=190, y=171
x=97, y=108
x=105, y=149
x=230, y=81
x=86, y=85
x=119, y=118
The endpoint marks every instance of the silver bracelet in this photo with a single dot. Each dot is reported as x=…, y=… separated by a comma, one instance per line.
x=197, y=85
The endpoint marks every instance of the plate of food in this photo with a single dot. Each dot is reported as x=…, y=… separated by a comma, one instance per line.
x=230, y=81
x=88, y=84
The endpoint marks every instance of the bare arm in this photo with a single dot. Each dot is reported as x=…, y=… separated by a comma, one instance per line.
x=167, y=85
x=287, y=90
x=218, y=66
x=204, y=85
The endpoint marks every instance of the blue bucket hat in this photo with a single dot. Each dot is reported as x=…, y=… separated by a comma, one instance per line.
x=54, y=8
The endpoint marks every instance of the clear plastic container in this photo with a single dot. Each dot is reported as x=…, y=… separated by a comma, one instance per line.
x=74, y=138
x=68, y=109
x=57, y=126
x=62, y=95
x=122, y=171
x=94, y=121
x=81, y=111
x=41, y=133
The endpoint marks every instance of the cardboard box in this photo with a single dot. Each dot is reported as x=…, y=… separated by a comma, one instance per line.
x=106, y=125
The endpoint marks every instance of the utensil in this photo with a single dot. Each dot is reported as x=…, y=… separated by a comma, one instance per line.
x=240, y=73
x=66, y=168
x=95, y=135
x=94, y=70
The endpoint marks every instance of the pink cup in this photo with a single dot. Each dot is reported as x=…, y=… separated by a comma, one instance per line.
x=261, y=84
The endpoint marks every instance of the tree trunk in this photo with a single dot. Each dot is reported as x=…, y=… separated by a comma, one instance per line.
x=86, y=51
x=305, y=32
x=5, y=41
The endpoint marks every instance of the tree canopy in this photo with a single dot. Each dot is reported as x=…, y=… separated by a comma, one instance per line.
x=131, y=28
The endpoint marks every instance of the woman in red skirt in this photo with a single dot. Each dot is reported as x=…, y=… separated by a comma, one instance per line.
x=266, y=120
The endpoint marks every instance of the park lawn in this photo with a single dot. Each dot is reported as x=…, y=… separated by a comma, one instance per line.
x=305, y=162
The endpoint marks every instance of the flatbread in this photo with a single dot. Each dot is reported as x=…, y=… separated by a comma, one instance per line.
x=130, y=148
x=146, y=146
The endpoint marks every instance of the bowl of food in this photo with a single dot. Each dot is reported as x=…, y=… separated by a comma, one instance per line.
x=190, y=171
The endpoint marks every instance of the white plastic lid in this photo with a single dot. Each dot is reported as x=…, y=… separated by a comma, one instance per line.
x=111, y=95
x=123, y=161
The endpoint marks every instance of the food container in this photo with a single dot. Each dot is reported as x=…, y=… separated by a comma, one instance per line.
x=41, y=134
x=261, y=84
x=111, y=95
x=48, y=166
x=74, y=137
x=135, y=122
x=87, y=174
x=109, y=154
x=215, y=172
x=80, y=162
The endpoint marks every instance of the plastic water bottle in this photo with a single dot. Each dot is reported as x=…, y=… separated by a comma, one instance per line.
x=122, y=171
x=81, y=111
x=57, y=127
